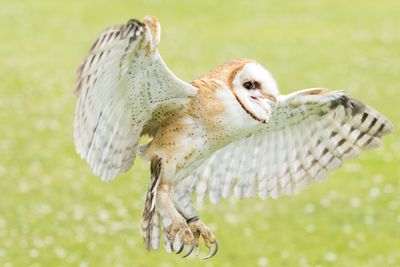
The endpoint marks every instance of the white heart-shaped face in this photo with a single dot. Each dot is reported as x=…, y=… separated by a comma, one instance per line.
x=255, y=90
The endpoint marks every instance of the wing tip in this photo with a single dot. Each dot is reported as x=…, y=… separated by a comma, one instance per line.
x=132, y=29
x=388, y=128
x=354, y=107
x=155, y=29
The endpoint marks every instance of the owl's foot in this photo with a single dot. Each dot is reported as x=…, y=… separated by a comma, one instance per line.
x=200, y=229
x=179, y=233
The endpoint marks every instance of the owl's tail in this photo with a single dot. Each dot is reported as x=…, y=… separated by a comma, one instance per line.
x=154, y=220
x=151, y=227
x=151, y=218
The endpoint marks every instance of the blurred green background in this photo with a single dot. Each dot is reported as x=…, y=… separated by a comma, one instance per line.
x=54, y=212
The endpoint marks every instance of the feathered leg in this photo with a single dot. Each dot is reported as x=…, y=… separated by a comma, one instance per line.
x=178, y=232
x=159, y=197
x=183, y=202
x=150, y=219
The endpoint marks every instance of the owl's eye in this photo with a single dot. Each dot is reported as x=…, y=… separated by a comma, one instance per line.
x=250, y=85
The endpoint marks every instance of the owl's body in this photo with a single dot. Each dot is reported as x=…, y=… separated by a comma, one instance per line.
x=212, y=119
x=229, y=131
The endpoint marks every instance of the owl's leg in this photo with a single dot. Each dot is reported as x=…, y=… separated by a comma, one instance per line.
x=198, y=229
x=159, y=197
x=184, y=204
x=178, y=230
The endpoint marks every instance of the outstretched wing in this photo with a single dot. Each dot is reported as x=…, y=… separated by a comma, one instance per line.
x=123, y=87
x=310, y=133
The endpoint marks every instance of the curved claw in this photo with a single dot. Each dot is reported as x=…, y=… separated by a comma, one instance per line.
x=181, y=248
x=212, y=253
x=189, y=251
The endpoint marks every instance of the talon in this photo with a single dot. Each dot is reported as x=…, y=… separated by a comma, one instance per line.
x=190, y=251
x=171, y=246
x=181, y=248
x=212, y=253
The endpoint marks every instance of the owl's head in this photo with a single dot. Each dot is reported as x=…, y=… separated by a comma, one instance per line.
x=254, y=88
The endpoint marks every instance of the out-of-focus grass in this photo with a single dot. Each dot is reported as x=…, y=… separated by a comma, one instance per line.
x=54, y=212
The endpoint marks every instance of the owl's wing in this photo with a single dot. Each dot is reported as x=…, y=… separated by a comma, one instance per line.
x=310, y=133
x=123, y=87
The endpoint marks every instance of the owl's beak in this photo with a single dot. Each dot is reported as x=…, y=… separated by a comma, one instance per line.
x=259, y=105
x=269, y=97
x=272, y=98
x=262, y=108
x=265, y=100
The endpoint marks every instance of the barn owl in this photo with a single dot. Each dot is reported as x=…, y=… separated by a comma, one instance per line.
x=228, y=132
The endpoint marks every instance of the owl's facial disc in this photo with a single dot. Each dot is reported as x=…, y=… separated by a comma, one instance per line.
x=255, y=90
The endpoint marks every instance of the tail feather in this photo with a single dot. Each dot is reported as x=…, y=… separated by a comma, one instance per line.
x=156, y=231
x=150, y=220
